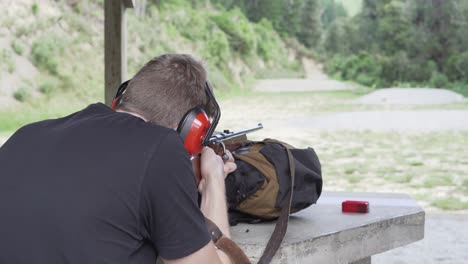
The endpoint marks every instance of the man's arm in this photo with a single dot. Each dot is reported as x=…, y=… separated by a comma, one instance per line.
x=213, y=205
x=207, y=254
x=212, y=188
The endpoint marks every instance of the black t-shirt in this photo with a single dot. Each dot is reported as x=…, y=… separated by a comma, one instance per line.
x=97, y=187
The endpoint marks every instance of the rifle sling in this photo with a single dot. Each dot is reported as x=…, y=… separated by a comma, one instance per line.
x=225, y=244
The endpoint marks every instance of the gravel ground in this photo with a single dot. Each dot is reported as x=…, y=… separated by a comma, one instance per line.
x=445, y=241
x=418, y=120
x=404, y=96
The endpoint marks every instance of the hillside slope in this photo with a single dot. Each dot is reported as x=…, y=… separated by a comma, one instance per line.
x=52, y=52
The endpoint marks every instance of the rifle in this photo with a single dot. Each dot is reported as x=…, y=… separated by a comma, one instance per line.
x=222, y=141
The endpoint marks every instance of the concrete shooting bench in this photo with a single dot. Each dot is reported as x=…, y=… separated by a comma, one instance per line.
x=322, y=234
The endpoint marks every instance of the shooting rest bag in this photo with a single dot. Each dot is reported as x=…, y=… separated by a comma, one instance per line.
x=272, y=180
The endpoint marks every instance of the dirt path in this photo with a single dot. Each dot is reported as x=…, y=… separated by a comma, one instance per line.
x=315, y=80
x=313, y=70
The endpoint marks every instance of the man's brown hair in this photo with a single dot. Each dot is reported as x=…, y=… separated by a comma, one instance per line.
x=166, y=88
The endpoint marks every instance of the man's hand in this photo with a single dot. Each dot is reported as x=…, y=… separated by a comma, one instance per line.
x=229, y=165
x=212, y=189
x=213, y=170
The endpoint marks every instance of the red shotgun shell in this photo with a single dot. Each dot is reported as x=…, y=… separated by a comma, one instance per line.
x=361, y=207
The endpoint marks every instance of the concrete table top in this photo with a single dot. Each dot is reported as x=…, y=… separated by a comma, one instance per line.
x=323, y=234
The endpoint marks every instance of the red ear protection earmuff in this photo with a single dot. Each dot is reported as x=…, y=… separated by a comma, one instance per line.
x=195, y=128
x=120, y=92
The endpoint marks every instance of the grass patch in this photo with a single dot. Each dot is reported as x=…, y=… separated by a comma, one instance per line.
x=421, y=196
x=450, y=204
x=464, y=187
x=49, y=85
x=405, y=178
x=354, y=178
x=22, y=94
x=46, y=52
x=6, y=61
x=416, y=163
x=35, y=110
x=435, y=180
x=17, y=47
x=34, y=9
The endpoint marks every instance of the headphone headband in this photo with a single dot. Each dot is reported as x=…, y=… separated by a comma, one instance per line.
x=120, y=92
x=217, y=113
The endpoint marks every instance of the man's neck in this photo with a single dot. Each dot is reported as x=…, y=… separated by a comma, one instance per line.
x=132, y=113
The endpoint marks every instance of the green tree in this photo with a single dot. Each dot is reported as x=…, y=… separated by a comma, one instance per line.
x=393, y=27
x=436, y=24
x=290, y=22
x=330, y=11
x=368, y=24
x=310, y=32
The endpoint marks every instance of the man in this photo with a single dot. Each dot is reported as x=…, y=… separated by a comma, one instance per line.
x=104, y=186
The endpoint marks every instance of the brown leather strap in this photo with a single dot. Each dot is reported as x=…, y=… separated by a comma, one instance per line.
x=282, y=223
x=214, y=230
x=232, y=250
x=225, y=244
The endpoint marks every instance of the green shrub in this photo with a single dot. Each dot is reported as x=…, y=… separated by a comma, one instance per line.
x=76, y=21
x=191, y=24
x=365, y=80
x=6, y=61
x=217, y=48
x=17, y=47
x=172, y=31
x=457, y=67
x=363, y=68
x=239, y=30
x=35, y=8
x=420, y=72
x=439, y=80
x=269, y=45
x=45, y=53
x=459, y=87
x=335, y=66
x=48, y=86
x=394, y=68
x=22, y=94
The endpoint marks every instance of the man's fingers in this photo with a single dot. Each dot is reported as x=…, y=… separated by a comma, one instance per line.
x=207, y=150
x=201, y=185
x=231, y=158
x=229, y=167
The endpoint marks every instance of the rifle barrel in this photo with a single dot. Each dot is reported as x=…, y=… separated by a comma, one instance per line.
x=226, y=134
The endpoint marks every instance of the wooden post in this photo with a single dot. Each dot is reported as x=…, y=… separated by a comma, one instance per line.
x=115, y=45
